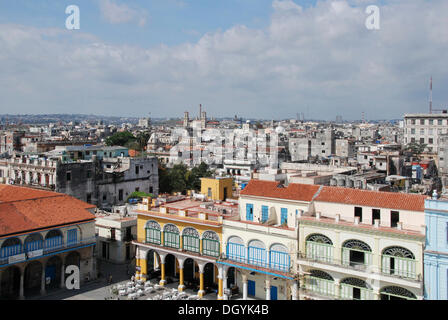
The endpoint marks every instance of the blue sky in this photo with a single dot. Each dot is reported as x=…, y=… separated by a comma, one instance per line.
x=264, y=58
x=169, y=21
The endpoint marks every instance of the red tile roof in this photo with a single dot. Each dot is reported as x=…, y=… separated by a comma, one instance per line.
x=378, y=199
x=270, y=189
x=305, y=192
x=25, y=209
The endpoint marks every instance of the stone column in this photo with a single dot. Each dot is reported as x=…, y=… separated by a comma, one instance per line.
x=62, y=285
x=224, y=282
x=181, y=286
x=201, y=281
x=337, y=288
x=294, y=290
x=162, y=270
x=42, y=282
x=220, y=283
x=268, y=289
x=21, y=295
x=244, y=276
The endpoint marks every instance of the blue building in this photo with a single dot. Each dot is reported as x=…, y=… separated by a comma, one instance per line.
x=436, y=250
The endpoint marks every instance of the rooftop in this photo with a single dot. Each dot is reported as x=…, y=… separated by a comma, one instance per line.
x=304, y=192
x=25, y=209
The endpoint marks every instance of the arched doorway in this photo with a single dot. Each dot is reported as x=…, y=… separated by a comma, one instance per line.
x=10, y=283
x=170, y=267
x=73, y=258
x=209, y=277
x=231, y=279
x=33, y=278
x=188, y=270
x=53, y=272
x=152, y=265
x=396, y=293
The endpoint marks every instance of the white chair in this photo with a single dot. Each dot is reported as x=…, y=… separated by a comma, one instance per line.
x=132, y=296
x=140, y=292
x=131, y=290
x=130, y=284
x=122, y=292
x=148, y=284
x=139, y=286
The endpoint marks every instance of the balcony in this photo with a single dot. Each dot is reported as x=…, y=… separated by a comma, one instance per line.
x=312, y=260
x=21, y=255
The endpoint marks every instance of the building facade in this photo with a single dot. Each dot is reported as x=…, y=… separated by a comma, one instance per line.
x=436, y=250
x=41, y=234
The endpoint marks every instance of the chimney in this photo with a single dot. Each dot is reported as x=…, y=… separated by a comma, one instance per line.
x=400, y=225
x=356, y=221
x=337, y=218
x=318, y=215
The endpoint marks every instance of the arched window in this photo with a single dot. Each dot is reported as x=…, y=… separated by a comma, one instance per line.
x=210, y=244
x=396, y=293
x=319, y=238
x=11, y=247
x=320, y=282
x=34, y=242
x=356, y=253
x=171, y=236
x=235, y=249
x=355, y=289
x=319, y=248
x=53, y=240
x=279, y=258
x=153, y=234
x=257, y=253
x=398, y=261
x=190, y=239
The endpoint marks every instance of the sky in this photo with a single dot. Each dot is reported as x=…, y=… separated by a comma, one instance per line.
x=267, y=59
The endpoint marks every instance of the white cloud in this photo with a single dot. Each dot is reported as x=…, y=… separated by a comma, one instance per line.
x=121, y=13
x=320, y=58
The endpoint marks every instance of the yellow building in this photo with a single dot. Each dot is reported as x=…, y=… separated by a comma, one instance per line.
x=181, y=241
x=217, y=188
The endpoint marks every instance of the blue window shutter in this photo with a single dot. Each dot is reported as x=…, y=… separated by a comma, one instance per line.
x=284, y=215
x=264, y=213
x=249, y=212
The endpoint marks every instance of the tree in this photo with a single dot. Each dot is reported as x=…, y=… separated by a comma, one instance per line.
x=194, y=176
x=415, y=148
x=120, y=139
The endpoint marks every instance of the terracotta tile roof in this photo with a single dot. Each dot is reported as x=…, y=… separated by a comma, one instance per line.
x=379, y=199
x=271, y=189
x=305, y=192
x=25, y=209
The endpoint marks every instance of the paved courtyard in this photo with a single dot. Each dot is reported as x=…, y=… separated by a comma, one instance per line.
x=100, y=289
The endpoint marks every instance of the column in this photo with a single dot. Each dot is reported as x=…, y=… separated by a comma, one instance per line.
x=62, y=285
x=21, y=295
x=201, y=281
x=294, y=290
x=268, y=289
x=224, y=282
x=181, y=286
x=244, y=286
x=42, y=282
x=162, y=270
x=220, y=283
x=337, y=288
x=376, y=294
